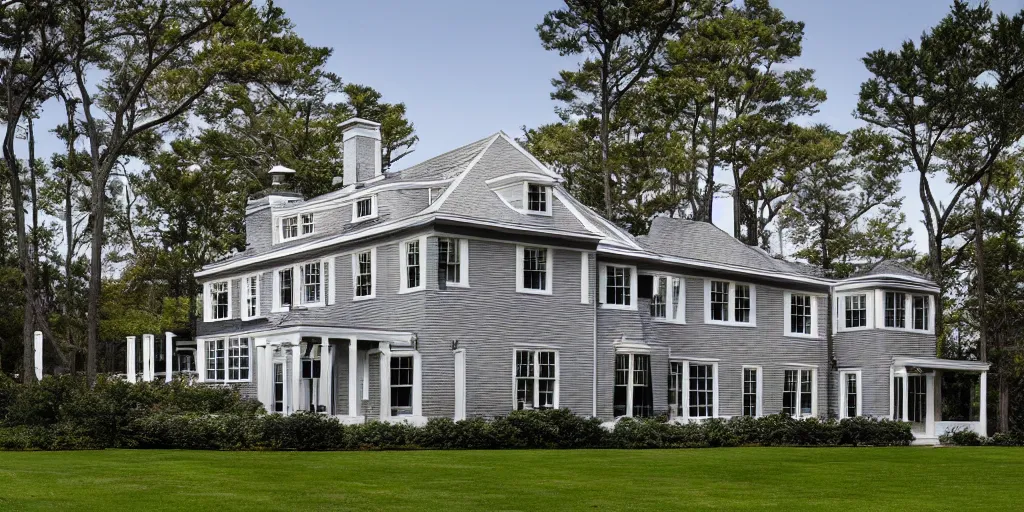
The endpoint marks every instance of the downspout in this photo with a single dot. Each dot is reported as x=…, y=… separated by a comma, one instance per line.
x=830, y=363
x=593, y=298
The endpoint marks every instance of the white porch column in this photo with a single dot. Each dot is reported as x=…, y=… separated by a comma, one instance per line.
x=929, y=421
x=296, y=375
x=263, y=375
x=169, y=354
x=460, y=384
x=130, y=371
x=906, y=395
x=353, y=377
x=147, y=358
x=983, y=413
x=325, y=375
x=385, y=381
x=38, y=345
x=201, y=360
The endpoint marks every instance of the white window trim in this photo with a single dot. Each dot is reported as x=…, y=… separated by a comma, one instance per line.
x=685, y=412
x=787, y=303
x=302, y=223
x=201, y=369
x=631, y=350
x=208, y=301
x=244, y=310
x=417, y=385
x=463, y=262
x=277, y=227
x=549, y=260
x=732, y=304
x=536, y=373
x=373, y=274
x=814, y=389
x=403, y=252
x=842, y=391
x=602, y=294
x=276, y=306
x=840, y=311
x=908, y=305
x=373, y=209
x=330, y=292
x=526, y=198
x=324, y=285
x=681, y=319
x=584, y=278
x=759, y=405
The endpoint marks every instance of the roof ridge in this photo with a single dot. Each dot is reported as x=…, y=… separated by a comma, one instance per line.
x=436, y=205
x=442, y=155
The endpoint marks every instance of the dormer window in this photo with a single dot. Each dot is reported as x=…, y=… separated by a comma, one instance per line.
x=294, y=226
x=537, y=198
x=307, y=223
x=289, y=228
x=364, y=209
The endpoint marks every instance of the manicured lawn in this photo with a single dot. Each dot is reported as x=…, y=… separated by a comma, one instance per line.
x=726, y=479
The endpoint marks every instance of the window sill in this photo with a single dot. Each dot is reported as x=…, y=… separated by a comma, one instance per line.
x=357, y=220
x=667, y=321
x=251, y=318
x=281, y=309
x=907, y=330
x=213, y=320
x=853, y=329
x=531, y=291
x=404, y=291
x=450, y=284
x=359, y=298
x=312, y=305
x=624, y=307
x=730, y=324
x=245, y=381
x=535, y=213
x=802, y=336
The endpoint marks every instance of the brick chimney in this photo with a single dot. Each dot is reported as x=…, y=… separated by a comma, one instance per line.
x=360, y=150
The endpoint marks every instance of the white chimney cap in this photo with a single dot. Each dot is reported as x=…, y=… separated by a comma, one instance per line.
x=356, y=121
x=280, y=169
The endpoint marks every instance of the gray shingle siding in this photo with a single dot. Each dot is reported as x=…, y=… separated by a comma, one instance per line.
x=872, y=352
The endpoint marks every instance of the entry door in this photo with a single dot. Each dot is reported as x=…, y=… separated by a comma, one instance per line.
x=917, y=401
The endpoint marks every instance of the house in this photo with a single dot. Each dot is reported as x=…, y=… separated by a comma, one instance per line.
x=473, y=284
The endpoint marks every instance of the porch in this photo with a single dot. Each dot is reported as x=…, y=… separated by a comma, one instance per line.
x=916, y=396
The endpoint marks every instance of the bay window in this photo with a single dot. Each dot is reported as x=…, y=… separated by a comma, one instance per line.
x=921, y=313
x=536, y=379
x=895, y=310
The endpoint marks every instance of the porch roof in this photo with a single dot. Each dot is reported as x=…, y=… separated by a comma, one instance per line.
x=941, y=364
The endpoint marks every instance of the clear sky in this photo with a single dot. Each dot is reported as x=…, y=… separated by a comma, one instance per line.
x=466, y=69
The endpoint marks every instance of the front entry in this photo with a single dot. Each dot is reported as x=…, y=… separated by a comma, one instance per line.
x=917, y=402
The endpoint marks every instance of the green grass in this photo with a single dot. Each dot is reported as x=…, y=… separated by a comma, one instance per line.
x=726, y=479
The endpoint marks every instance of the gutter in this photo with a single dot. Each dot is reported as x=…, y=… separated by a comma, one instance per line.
x=593, y=298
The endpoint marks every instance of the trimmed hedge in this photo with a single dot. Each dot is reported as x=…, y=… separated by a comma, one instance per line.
x=64, y=413
x=965, y=437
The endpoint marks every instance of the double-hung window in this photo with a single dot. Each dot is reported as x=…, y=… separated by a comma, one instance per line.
x=533, y=267
x=729, y=303
x=251, y=294
x=633, y=393
x=402, y=377
x=227, y=360
x=284, y=287
x=668, y=299
x=801, y=315
x=411, y=277
x=855, y=311
x=798, y=393
x=363, y=274
x=289, y=227
x=896, y=310
x=219, y=300
x=307, y=223
x=452, y=261
x=921, y=306
x=619, y=287
x=850, y=384
x=536, y=379
x=751, y=391
x=312, y=281
x=537, y=198
x=693, y=389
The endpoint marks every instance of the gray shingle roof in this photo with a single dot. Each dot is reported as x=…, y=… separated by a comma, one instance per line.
x=889, y=267
x=706, y=242
x=444, y=166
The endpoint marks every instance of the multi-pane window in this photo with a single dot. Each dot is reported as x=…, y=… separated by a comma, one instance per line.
x=856, y=311
x=617, y=285
x=800, y=314
x=238, y=359
x=307, y=223
x=252, y=298
x=658, y=307
x=289, y=227
x=720, y=301
x=895, y=310
x=798, y=393
x=364, y=207
x=215, y=359
x=364, y=274
x=742, y=303
x=401, y=385
x=750, y=398
x=852, y=397
x=278, y=387
x=284, y=285
x=535, y=260
x=897, y=398
x=412, y=264
x=633, y=393
x=536, y=198
x=675, y=387
x=219, y=301
x=702, y=394
x=536, y=379
x=311, y=281
x=449, y=259
x=920, y=312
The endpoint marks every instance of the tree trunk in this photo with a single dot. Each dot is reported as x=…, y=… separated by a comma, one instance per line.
x=979, y=271
x=709, y=184
x=28, y=374
x=69, y=230
x=95, y=271
x=1004, y=402
x=606, y=171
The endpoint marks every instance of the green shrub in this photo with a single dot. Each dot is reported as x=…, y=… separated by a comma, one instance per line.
x=1006, y=439
x=962, y=437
